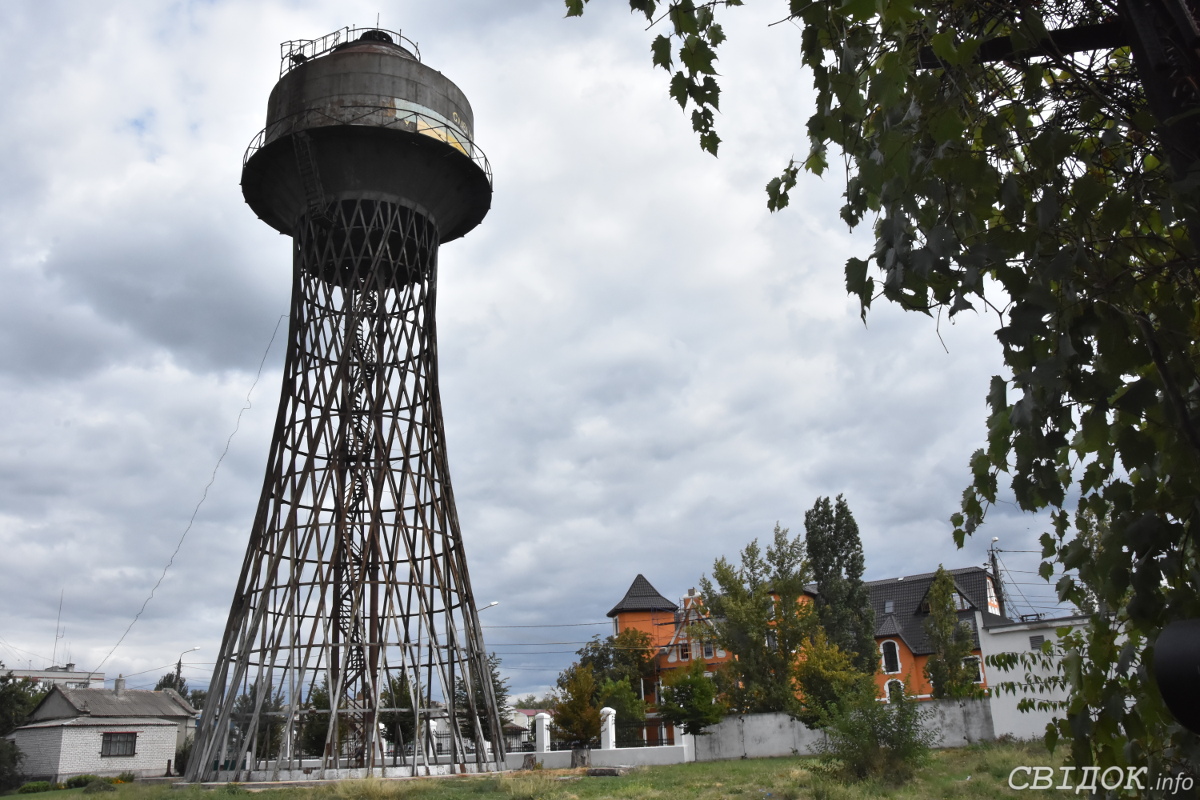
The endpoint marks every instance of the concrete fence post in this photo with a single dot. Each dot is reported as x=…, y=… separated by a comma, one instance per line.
x=688, y=741
x=608, y=728
x=541, y=733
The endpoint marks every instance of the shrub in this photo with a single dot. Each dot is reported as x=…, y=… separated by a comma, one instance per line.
x=127, y=777
x=81, y=780
x=870, y=739
x=39, y=786
x=99, y=785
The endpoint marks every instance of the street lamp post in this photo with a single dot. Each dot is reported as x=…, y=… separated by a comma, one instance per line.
x=179, y=667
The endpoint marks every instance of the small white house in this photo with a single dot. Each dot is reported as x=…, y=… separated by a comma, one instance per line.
x=1023, y=637
x=103, y=732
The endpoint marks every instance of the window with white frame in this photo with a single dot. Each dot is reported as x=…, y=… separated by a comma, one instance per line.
x=891, y=657
x=118, y=744
x=709, y=651
x=685, y=651
x=895, y=691
x=974, y=668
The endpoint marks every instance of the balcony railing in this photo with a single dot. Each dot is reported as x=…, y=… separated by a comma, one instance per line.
x=295, y=52
x=375, y=117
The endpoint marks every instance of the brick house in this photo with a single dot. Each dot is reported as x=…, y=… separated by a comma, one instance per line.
x=103, y=732
x=901, y=609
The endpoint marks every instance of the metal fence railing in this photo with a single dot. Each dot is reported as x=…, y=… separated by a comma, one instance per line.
x=295, y=52
x=375, y=117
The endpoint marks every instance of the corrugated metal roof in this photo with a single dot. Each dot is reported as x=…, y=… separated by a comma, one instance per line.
x=107, y=703
x=97, y=722
x=642, y=597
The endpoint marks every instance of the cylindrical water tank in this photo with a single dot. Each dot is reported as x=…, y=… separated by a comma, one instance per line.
x=366, y=119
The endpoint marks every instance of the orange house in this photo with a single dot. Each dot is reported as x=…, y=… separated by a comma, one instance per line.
x=901, y=609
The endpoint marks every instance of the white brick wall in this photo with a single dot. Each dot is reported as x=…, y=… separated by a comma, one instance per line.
x=60, y=752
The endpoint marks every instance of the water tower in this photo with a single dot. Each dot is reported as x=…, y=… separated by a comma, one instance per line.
x=353, y=641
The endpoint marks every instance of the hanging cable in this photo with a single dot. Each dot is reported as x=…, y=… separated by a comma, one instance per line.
x=203, y=496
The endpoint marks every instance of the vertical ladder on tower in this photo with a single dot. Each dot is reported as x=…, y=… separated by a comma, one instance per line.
x=306, y=164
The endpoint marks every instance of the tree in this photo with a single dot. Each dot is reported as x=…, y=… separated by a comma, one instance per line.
x=827, y=677
x=399, y=727
x=499, y=692
x=268, y=733
x=1008, y=171
x=689, y=698
x=532, y=701
x=627, y=656
x=758, y=615
x=630, y=708
x=18, y=698
x=197, y=697
x=947, y=668
x=10, y=766
x=576, y=717
x=843, y=602
x=314, y=729
x=171, y=681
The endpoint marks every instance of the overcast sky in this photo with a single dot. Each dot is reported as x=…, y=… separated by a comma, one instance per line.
x=642, y=369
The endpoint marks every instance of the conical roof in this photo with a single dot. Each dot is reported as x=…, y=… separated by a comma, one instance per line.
x=642, y=597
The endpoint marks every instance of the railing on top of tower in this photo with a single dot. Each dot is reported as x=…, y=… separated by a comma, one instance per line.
x=374, y=116
x=295, y=52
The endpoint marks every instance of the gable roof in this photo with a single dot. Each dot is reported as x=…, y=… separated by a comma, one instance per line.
x=642, y=597
x=906, y=621
x=61, y=703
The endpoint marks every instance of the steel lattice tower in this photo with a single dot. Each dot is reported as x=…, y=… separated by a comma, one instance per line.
x=353, y=641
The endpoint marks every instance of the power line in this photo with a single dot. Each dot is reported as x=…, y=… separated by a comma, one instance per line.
x=565, y=625
x=203, y=496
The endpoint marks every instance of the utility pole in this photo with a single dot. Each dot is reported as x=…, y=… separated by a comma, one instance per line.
x=996, y=575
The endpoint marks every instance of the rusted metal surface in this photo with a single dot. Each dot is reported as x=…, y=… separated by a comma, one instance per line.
x=353, y=621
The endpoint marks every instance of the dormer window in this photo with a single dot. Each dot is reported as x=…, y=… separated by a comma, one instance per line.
x=889, y=606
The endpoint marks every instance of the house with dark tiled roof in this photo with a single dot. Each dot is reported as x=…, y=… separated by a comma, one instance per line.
x=901, y=608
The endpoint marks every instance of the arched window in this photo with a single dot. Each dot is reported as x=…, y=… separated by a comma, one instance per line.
x=895, y=691
x=891, y=658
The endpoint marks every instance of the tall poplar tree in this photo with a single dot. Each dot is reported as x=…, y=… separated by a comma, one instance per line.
x=952, y=641
x=843, y=603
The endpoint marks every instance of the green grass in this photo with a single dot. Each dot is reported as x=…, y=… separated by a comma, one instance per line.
x=978, y=771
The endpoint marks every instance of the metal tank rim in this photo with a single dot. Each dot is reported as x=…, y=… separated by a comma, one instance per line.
x=286, y=126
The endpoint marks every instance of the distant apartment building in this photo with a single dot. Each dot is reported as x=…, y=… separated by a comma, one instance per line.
x=65, y=676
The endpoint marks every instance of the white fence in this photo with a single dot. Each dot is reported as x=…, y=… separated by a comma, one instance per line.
x=956, y=723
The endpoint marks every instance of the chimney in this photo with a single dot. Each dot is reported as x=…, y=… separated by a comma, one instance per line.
x=70, y=667
x=119, y=686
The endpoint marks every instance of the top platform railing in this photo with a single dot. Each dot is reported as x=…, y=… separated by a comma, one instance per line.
x=295, y=52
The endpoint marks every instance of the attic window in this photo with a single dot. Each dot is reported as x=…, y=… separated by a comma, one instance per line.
x=889, y=606
x=118, y=744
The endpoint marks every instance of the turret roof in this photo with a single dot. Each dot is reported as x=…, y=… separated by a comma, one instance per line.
x=642, y=597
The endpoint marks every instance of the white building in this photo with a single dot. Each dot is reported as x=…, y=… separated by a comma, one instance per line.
x=66, y=676
x=104, y=732
x=1022, y=637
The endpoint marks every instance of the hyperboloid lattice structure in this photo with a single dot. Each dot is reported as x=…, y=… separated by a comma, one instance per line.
x=353, y=640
